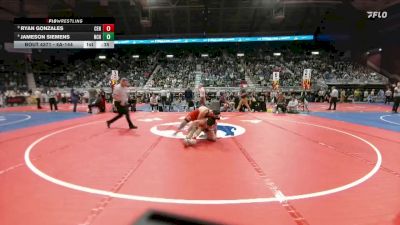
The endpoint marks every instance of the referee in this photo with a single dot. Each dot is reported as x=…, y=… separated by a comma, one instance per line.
x=120, y=95
x=334, y=97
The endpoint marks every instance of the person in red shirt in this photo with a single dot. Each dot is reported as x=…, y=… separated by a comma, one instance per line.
x=200, y=113
x=58, y=96
x=243, y=100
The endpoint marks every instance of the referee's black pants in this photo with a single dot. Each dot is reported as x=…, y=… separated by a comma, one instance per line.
x=53, y=102
x=163, y=100
x=396, y=104
x=122, y=110
x=387, y=100
x=333, y=102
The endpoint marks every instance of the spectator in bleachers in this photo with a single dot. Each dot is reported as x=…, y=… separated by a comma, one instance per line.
x=221, y=69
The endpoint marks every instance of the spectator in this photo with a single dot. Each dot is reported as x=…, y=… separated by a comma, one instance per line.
x=202, y=95
x=304, y=103
x=222, y=99
x=381, y=95
x=170, y=100
x=280, y=103
x=189, y=97
x=293, y=105
x=38, y=95
x=321, y=94
x=342, y=96
x=388, y=96
x=366, y=95
x=243, y=100
x=154, y=102
x=2, y=100
x=52, y=99
x=92, y=95
x=396, y=97
x=99, y=103
x=163, y=95
x=74, y=99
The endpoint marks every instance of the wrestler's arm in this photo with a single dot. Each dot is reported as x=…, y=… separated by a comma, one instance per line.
x=196, y=133
x=203, y=112
x=196, y=128
x=192, y=130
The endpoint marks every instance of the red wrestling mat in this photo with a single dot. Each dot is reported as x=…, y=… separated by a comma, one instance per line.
x=45, y=108
x=351, y=107
x=316, y=107
x=264, y=169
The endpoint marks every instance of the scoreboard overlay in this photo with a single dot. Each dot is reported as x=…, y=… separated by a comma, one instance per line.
x=57, y=33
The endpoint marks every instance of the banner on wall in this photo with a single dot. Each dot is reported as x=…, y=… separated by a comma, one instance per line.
x=275, y=80
x=306, y=79
x=114, y=78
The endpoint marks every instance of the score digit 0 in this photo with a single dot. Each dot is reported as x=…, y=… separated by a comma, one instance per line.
x=108, y=36
x=108, y=27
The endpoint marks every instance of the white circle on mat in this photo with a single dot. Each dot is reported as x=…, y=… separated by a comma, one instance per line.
x=26, y=117
x=388, y=121
x=77, y=187
x=224, y=130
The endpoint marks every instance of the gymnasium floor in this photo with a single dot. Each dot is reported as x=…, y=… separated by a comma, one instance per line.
x=321, y=168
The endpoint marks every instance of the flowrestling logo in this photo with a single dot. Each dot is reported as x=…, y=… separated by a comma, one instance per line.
x=377, y=14
x=224, y=130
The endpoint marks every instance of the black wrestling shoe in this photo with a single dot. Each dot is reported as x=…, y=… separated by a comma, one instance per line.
x=133, y=127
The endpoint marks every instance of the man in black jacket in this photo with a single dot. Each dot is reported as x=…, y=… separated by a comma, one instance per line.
x=189, y=97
